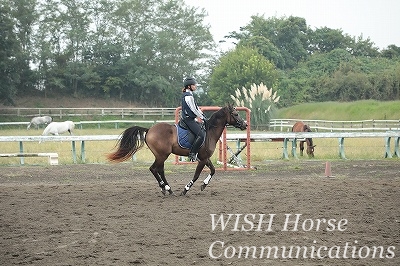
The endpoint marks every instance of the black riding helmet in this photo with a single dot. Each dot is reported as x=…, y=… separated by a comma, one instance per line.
x=189, y=81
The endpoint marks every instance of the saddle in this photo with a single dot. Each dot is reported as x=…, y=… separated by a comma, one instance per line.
x=185, y=136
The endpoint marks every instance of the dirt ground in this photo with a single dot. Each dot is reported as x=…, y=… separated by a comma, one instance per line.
x=115, y=214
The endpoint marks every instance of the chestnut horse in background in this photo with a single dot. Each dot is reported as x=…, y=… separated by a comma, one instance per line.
x=301, y=127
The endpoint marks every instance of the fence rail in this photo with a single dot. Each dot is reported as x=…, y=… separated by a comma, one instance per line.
x=281, y=136
x=282, y=125
x=332, y=126
x=71, y=112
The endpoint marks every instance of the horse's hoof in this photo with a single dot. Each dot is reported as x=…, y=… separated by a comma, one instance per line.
x=203, y=187
x=183, y=193
x=171, y=192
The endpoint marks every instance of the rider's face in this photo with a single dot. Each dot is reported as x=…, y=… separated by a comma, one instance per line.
x=193, y=87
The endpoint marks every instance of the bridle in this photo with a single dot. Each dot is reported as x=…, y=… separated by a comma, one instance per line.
x=235, y=116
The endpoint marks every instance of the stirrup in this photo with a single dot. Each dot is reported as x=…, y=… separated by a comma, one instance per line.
x=192, y=157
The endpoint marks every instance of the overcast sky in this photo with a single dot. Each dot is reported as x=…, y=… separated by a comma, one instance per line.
x=377, y=19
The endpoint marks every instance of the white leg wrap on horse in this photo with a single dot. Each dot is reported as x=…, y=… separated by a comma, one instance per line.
x=207, y=180
x=189, y=185
x=167, y=187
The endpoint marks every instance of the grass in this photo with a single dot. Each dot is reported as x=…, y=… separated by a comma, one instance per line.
x=343, y=111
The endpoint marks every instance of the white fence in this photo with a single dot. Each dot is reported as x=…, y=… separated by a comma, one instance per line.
x=332, y=126
x=79, y=112
x=81, y=124
x=285, y=137
x=283, y=125
x=293, y=137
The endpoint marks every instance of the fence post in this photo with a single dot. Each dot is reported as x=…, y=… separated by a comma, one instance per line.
x=294, y=148
x=83, y=154
x=396, y=146
x=73, y=151
x=285, y=152
x=388, y=154
x=21, y=150
x=341, y=148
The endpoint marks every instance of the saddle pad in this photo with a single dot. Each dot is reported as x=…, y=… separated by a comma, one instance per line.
x=185, y=137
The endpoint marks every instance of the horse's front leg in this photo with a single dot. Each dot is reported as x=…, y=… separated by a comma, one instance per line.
x=210, y=175
x=199, y=168
x=301, y=148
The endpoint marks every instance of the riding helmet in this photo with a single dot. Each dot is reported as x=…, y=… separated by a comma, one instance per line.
x=189, y=81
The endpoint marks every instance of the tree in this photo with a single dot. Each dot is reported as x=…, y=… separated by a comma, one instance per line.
x=165, y=39
x=325, y=40
x=240, y=68
x=266, y=48
x=361, y=47
x=391, y=52
x=131, y=49
x=9, y=74
x=288, y=37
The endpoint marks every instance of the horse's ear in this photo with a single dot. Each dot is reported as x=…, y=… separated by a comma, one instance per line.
x=230, y=105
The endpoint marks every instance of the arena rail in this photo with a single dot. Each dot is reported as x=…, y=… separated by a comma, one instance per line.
x=52, y=157
x=283, y=125
x=72, y=138
x=69, y=112
x=292, y=137
x=80, y=124
x=295, y=136
x=333, y=125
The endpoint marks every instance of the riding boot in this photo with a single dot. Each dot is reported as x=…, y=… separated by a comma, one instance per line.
x=195, y=148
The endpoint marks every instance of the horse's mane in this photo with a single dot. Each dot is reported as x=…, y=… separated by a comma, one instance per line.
x=219, y=114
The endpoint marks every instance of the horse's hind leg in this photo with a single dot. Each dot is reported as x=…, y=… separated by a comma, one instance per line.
x=157, y=170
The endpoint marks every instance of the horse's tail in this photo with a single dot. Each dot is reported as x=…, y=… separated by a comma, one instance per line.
x=131, y=141
x=29, y=126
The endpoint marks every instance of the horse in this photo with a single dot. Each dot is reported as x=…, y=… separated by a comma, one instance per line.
x=56, y=128
x=301, y=127
x=39, y=120
x=162, y=140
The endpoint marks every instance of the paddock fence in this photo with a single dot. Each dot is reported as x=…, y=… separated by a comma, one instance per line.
x=132, y=115
x=62, y=113
x=285, y=137
x=335, y=126
x=281, y=125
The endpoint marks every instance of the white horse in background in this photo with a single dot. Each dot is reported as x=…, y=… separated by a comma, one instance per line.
x=39, y=120
x=56, y=128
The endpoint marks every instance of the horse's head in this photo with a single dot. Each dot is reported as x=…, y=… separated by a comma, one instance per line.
x=310, y=150
x=234, y=118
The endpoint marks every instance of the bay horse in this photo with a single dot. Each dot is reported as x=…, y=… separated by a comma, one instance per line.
x=39, y=120
x=162, y=141
x=301, y=127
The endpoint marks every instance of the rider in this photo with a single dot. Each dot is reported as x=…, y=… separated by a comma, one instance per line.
x=190, y=111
